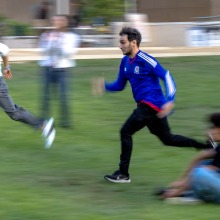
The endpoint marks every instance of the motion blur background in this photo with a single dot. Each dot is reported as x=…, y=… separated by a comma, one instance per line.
x=66, y=182
x=163, y=23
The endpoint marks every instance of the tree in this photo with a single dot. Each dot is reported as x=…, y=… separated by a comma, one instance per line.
x=109, y=10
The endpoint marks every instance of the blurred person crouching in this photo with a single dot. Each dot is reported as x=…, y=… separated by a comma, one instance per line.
x=200, y=182
x=58, y=47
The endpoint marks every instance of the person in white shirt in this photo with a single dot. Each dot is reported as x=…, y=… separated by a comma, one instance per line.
x=16, y=112
x=58, y=48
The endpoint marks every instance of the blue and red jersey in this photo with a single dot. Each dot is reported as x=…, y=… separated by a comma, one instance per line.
x=144, y=73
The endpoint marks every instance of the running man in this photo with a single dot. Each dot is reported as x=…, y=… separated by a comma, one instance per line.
x=143, y=73
x=16, y=112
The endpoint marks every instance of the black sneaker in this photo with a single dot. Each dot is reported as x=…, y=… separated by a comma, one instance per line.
x=159, y=192
x=118, y=177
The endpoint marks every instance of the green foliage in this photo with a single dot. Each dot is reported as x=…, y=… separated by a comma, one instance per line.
x=107, y=9
x=66, y=182
x=11, y=27
x=18, y=29
x=2, y=18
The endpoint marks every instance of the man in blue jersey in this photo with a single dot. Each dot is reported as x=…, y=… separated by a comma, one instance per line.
x=143, y=73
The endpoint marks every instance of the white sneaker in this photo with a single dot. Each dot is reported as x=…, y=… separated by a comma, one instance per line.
x=49, y=133
x=183, y=200
x=48, y=125
x=50, y=139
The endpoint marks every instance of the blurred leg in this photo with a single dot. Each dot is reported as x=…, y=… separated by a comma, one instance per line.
x=206, y=184
x=161, y=129
x=137, y=120
x=14, y=111
x=64, y=99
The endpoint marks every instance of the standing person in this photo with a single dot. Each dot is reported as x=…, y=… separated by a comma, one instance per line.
x=16, y=112
x=57, y=47
x=143, y=73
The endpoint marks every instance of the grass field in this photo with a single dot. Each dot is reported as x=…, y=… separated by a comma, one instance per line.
x=66, y=182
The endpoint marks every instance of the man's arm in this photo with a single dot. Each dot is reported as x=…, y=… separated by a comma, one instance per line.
x=203, y=155
x=119, y=83
x=7, y=71
x=170, y=93
x=99, y=86
x=170, y=90
x=45, y=42
x=166, y=109
x=183, y=184
x=5, y=61
x=169, y=82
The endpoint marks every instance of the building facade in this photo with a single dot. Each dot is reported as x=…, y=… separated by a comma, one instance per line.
x=156, y=10
x=25, y=10
x=177, y=10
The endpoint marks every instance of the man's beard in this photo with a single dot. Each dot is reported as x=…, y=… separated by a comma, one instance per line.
x=128, y=53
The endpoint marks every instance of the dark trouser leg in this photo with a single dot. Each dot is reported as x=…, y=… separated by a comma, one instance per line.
x=14, y=111
x=161, y=129
x=137, y=120
x=64, y=105
x=146, y=116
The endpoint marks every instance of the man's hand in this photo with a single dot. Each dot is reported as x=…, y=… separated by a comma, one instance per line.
x=176, y=188
x=98, y=86
x=7, y=74
x=166, y=109
x=180, y=183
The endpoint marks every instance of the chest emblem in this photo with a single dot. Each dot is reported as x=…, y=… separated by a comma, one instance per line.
x=136, y=70
x=125, y=69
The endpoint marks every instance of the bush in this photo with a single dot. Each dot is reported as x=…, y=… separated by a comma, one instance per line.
x=19, y=29
x=13, y=28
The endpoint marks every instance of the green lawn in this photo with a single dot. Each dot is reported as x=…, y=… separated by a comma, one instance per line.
x=66, y=182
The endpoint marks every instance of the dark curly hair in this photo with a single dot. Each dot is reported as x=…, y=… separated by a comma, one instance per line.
x=132, y=33
x=214, y=118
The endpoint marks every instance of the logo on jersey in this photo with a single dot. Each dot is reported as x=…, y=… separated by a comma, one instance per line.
x=125, y=69
x=136, y=70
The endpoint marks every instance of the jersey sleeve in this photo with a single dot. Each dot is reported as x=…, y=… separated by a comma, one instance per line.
x=119, y=83
x=168, y=80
